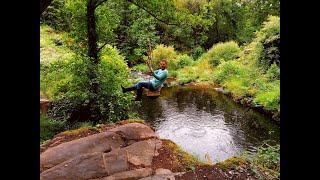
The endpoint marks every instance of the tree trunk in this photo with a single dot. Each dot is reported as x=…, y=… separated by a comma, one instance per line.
x=93, y=55
x=44, y=4
x=92, y=34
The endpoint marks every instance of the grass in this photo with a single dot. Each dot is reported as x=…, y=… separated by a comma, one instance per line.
x=53, y=61
x=231, y=162
x=190, y=160
x=239, y=69
x=265, y=162
x=141, y=67
x=50, y=50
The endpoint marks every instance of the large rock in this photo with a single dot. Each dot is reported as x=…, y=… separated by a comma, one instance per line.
x=133, y=174
x=96, y=165
x=163, y=174
x=139, y=153
x=102, y=142
x=87, y=166
x=108, y=155
x=135, y=131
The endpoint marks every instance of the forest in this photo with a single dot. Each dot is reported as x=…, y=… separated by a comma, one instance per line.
x=90, y=48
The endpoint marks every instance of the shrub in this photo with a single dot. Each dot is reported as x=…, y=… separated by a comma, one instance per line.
x=239, y=86
x=265, y=161
x=50, y=127
x=73, y=98
x=197, y=52
x=270, y=28
x=222, y=52
x=54, y=77
x=273, y=73
x=165, y=52
x=270, y=98
x=141, y=67
x=184, y=60
x=56, y=16
x=187, y=75
x=226, y=70
x=53, y=45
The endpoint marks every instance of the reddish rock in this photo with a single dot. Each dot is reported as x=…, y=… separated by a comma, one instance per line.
x=87, y=166
x=135, y=131
x=133, y=174
x=96, y=165
x=163, y=174
x=44, y=106
x=104, y=155
x=139, y=153
x=102, y=142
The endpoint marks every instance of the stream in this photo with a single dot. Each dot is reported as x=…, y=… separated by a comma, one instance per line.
x=203, y=121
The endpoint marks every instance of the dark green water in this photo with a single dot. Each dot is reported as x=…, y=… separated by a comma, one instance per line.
x=206, y=122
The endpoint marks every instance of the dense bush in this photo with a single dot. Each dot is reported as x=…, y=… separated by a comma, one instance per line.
x=273, y=73
x=72, y=94
x=270, y=97
x=165, y=52
x=54, y=78
x=226, y=70
x=56, y=16
x=222, y=52
x=197, y=52
x=184, y=60
x=54, y=45
x=265, y=161
x=270, y=28
x=50, y=127
x=200, y=70
x=141, y=67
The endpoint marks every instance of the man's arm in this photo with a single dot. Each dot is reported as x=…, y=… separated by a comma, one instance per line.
x=160, y=76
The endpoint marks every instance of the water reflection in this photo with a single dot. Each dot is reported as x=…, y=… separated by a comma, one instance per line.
x=206, y=122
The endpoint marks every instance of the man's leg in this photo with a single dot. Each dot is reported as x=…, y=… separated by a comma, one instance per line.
x=138, y=86
x=124, y=90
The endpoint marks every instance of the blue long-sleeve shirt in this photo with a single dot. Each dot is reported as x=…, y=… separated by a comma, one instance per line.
x=160, y=76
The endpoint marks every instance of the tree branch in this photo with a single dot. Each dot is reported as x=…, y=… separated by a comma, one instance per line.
x=151, y=14
x=98, y=3
x=44, y=4
x=102, y=47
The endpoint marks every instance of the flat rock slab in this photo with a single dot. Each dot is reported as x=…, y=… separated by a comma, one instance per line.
x=135, y=131
x=95, y=165
x=124, y=152
x=133, y=174
x=163, y=174
x=101, y=142
x=82, y=167
x=140, y=153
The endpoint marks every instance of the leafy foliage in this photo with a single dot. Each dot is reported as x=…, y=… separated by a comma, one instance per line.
x=265, y=161
x=50, y=127
x=141, y=67
x=222, y=52
x=185, y=60
x=56, y=16
x=165, y=52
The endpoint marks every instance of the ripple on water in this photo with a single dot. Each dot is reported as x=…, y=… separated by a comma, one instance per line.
x=205, y=125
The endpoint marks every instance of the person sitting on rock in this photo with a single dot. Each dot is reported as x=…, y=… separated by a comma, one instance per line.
x=159, y=75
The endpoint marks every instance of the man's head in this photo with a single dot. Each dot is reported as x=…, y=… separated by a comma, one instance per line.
x=163, y=64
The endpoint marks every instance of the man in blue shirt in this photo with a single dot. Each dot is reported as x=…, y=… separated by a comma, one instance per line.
x=159, y=75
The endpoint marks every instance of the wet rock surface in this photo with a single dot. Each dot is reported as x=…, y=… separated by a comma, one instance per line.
x=123, y=152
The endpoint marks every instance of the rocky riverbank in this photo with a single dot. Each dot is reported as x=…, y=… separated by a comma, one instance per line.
x=127, y=150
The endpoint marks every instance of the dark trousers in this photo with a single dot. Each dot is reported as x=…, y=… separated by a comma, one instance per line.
x=145, y=84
